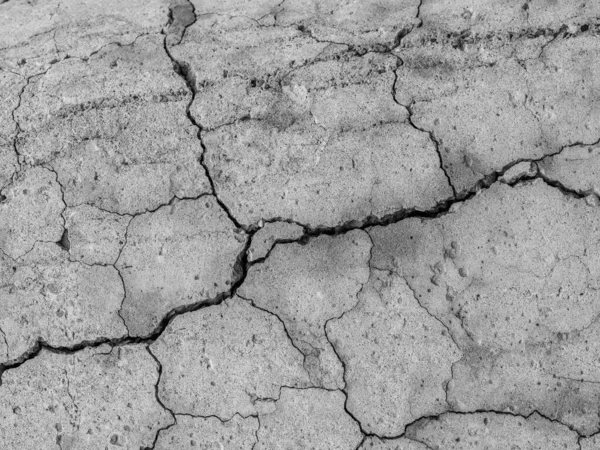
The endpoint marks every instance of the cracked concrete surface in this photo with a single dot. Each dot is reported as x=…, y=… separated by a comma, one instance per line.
x=299, y=224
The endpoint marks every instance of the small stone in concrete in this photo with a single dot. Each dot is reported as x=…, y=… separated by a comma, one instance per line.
x=94, y=399
x=519, y=171
x=308, y=418
x=397, y=357
x=272, y=232
x=192, y=433
x=95, y=236
x=47, y=297
x=493, y=432
x=31, y=212
x=220, y=360
x=308, y=285
x=179, y=255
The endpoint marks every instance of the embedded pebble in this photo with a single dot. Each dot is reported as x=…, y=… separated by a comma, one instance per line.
x=271, y=233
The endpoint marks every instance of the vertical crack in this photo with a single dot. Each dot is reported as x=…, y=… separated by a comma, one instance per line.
x=185, y=72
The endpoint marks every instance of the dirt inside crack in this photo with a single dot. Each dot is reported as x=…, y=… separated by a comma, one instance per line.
x=336, y=225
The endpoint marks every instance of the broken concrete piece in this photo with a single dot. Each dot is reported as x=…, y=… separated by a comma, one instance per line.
x=38, y=34
x=577, y=168
x=492, y=431
x=30, y=212
x=218, y=361
x=209, y=433
x=519, y=171
x=308, y=418
x=177, y=256
x=375, y=443
x=114, y=128
x=46, y=297
x=271, y=233
x=306, y=286
x=95, y=236
x=397, y=356
x=94, y=399
x=502, y=273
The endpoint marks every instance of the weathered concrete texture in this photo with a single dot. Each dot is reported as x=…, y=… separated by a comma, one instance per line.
x=114, y=128
x=30, y=212
x=308, y=285
x=95, y=236
x=271, y=233
x=397, y=356
x=11, y=85
x=62, y=303
x=94, y=399
x=544, y=96
x=209, y=433
x=590, y=443
x=307, y=418
x=373, y=25
x=375, y=443
x=513, y=274
x=304, y=130
x=220, y=360
x=576, y=168
x=177, y=256
x=493, y=432
x=38, y=34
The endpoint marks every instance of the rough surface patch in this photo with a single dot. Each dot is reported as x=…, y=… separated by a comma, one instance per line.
x=11, y=85
x=397, y=356
x=493, y=432
x=375, y=443
x=299, y=224
x=182, y=254
x=272, y=232
x=49, y=298
x=30, y=212
x=307, y=418
x=36, y=35
x=114, y=128
x=192, y=433
x=513, y=274
x=502, y=81
x=308, y=285
x=577, y=168
x=94, y=236
x=95, y=399
x=219, y=361
x=303, y=130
